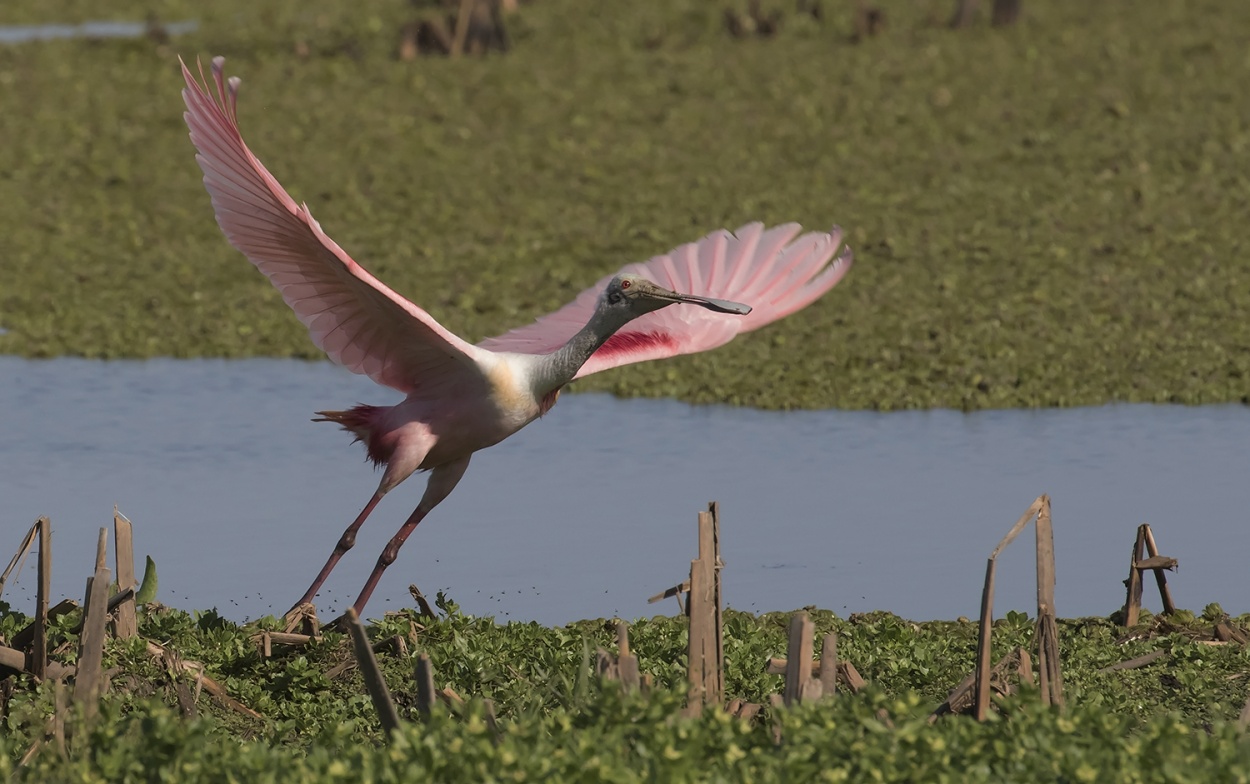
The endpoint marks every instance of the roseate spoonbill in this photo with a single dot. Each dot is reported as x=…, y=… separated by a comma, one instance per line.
x=463, y=397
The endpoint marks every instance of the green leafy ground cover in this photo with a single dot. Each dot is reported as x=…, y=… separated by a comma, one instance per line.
x=1170, y=721
x=1051, y=214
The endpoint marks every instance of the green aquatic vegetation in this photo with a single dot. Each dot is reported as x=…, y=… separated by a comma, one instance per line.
x=1170, y=721
x=1044, y=215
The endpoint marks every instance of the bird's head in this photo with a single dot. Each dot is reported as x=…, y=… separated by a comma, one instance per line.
x=634, y=295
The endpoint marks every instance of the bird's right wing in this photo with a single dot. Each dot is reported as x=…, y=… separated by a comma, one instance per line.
x=351, y=315
x=768, y=269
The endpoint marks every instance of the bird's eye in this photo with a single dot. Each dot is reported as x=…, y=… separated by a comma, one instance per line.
x=625, y=284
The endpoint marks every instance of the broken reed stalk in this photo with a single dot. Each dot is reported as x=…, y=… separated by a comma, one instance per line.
x=28, y=541
x=215, y=689
x=798, y=659
x=126, y=622
x=981, y=702
x=963, y=696
x=1165, y=593
x=676, y=590
x=1140, y=661
x=89, y=678
x=982, y=677
x=425, y=686
x=718, y=625
x=26, y=636
x=1132, y=602
x=39, y=651
x=1050, y=675
x=829, y=665
x=371, y=673
x=422, y=603
x=705, y=655
x=626, y=662
x=462, y=27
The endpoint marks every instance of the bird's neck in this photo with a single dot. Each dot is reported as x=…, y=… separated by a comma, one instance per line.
x=560, y=366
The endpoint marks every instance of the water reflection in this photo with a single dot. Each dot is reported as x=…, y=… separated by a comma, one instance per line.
x=239, y=498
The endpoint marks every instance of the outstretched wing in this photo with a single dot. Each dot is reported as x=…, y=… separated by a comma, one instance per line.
x=351, y=315
x=767, y=269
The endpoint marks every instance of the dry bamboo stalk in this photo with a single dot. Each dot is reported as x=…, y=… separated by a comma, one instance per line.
x=699, y=634
x=1025, y=670
x=425, y=686
x=1140, y=661
x=676, y=590
x=488, y=707
x=605, y=665
x=449, y=697
x=422, y=604
x=627, y=668
x=1051, y=677
x=1132, y=603
x=340, y=668
x=30, y=753
x=88, y=681
x=304, y=618
x=18, y=660
x=828, y=670
x=798, y=658
x=1226, y=633
x=13, y=659
x=101, y=549
x=1165, y=594
x=622, y=638
x=749, y=711
x=215, y=689
x=981, y=700
x=964, y=11
x=125, y=623
x=710, y=688
x=28, y=541
x=626, y=662
x=1025, y=519
x=962, y=696
x=718, y=625
x=60, y=709
x=850, y=676
x=462, y=27
x=290, y=638
x=120, y=598
x=372, y=674
x=1156, y=564
x=26, y=636
x=39, y=652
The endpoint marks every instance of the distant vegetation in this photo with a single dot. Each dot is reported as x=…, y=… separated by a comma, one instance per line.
x=1047, y=213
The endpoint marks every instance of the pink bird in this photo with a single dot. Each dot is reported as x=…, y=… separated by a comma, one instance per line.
x=463, y=397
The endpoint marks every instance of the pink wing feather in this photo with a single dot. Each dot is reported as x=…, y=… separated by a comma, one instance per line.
x=769, y=270
x=351, y=315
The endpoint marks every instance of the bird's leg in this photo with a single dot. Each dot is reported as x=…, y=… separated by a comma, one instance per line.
x=442, y=481
x=345, y=543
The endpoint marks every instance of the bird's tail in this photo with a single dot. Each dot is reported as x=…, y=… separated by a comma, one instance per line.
x=361, y=421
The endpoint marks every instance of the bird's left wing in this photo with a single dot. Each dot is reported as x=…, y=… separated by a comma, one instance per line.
x=768, y=269
x=356, y=319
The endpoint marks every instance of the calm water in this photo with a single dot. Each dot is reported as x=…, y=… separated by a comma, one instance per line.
x=20, y=34
x=239, y=498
